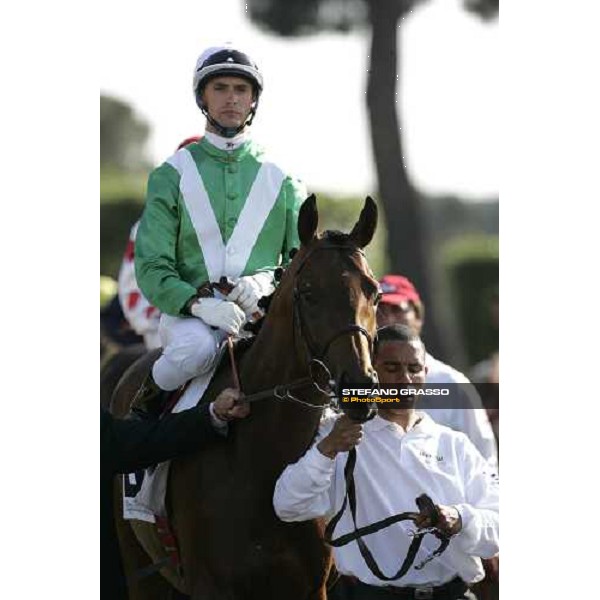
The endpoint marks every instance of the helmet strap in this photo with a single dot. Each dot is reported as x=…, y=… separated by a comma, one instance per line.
x=229, y=132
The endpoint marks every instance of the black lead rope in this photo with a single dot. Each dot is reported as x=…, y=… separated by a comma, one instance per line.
x=426, y=506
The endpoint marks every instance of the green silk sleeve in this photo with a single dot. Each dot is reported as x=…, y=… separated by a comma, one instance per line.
x=156, y=242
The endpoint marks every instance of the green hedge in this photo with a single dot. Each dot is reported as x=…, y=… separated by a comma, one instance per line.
x=116, y=220
x=116, y=185
x=471, y=264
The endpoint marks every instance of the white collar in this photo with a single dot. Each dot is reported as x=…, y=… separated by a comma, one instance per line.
x=224, y=143
x=424, y=426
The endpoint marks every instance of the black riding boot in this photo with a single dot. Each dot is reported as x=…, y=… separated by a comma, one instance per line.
x=149, y=401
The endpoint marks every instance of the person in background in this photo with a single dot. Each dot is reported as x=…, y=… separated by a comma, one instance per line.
x=401, y=304
x=115, y=330
x=140, y=314
x=486, y=373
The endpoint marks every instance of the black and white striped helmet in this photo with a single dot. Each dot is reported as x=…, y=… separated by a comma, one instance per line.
x=225, y=60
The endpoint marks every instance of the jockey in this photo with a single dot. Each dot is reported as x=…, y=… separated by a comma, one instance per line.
x=215, y=208
x=140, y=314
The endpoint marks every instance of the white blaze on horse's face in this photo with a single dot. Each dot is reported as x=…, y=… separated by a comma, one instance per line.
x=228, y=100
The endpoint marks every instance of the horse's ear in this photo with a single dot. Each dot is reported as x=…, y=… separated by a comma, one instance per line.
x=364, y=230
x=308, y=219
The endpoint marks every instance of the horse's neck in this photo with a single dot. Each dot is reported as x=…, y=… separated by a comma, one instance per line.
x=281, y=430
x=273, y=359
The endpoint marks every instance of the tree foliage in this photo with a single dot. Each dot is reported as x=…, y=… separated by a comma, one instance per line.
x=486, y=9
x=306, y=17
x=123, y=136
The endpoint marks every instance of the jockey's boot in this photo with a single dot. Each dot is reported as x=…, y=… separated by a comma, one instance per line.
x=149, y=401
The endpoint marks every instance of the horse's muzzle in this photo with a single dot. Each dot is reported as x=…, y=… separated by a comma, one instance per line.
x=365, y=411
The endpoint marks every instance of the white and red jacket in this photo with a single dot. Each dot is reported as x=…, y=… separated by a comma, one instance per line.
x=141, y=315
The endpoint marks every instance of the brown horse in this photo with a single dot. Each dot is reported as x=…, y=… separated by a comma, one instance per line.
x=232, y=545
x=112, y=367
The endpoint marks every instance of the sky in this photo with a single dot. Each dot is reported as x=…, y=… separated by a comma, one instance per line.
x=312, y=115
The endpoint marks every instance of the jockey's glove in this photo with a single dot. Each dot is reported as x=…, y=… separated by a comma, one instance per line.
x=219, y=313
x=250, y=289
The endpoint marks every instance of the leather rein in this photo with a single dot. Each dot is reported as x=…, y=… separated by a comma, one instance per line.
x=426, y=507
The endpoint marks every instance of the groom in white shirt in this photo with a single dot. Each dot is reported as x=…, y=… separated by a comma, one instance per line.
x=403, y=453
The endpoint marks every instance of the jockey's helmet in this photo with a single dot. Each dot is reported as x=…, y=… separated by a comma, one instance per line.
x=226, y=61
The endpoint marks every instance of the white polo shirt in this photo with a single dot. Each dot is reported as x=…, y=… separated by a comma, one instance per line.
x=393, y=468
x=463, y=411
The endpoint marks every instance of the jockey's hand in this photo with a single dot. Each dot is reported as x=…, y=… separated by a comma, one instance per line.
x=219, y=313
x=229, y=404
x=449, y=520
x=250, y=289
x=345, y=434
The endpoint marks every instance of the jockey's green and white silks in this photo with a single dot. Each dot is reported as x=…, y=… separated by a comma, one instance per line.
x=226, y=259
x=209, y=213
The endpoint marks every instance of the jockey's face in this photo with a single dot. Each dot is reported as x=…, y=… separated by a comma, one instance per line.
x=399, y=314
x=401, y=362
x=228, y=100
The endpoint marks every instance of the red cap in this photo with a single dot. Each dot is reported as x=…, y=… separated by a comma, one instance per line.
x=190, y=140
x=397, y=289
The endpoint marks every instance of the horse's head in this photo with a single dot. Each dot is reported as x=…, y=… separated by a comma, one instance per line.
x=334, y=299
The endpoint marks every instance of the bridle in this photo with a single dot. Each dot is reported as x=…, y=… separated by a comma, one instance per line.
x=299, y=322
x=426, y=507
x=315, y=357
x=315, y=354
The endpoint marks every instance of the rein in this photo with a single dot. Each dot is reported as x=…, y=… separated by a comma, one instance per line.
x=282, y=392
x=426, y=506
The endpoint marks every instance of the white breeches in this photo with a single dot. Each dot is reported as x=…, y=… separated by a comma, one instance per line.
x=152, y=339
x=189, y=349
